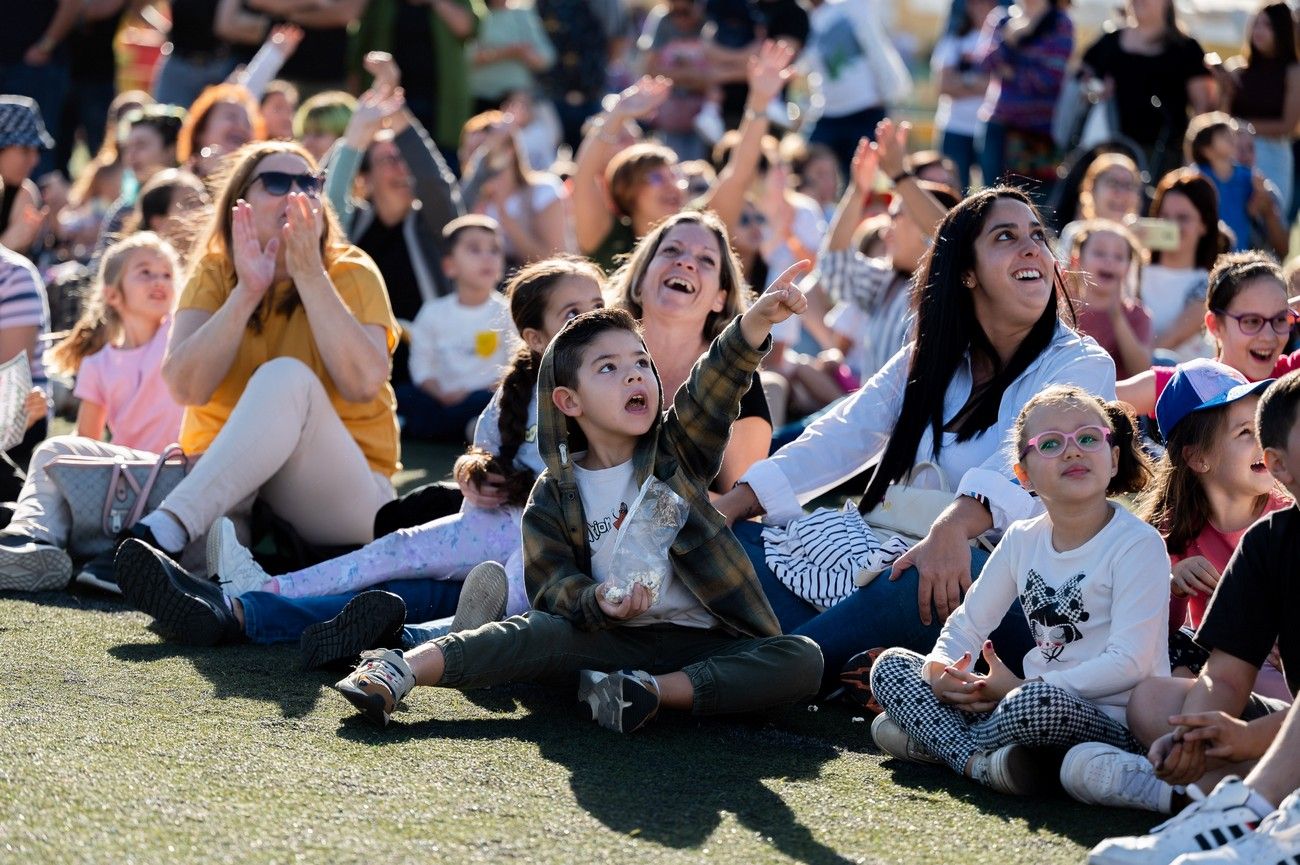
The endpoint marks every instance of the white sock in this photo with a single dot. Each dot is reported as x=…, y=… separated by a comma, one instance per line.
x=167, y=530
x=1261, y=806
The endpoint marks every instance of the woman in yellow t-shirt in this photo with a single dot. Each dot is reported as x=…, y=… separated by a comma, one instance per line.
x=280, y=352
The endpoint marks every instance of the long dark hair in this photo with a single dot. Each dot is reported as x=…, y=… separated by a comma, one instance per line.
x=1284, y=37
x=1205, y=198
x=946, y=329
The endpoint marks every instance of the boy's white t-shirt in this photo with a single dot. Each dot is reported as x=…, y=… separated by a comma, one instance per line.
x=462, y=347
x=1099, y=613
x=606, y=496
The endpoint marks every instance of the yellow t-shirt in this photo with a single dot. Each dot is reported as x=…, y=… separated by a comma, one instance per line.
x=373, y=424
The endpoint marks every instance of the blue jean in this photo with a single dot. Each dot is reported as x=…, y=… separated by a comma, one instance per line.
x=48, y=86
x=992, y=146
x=963, y=153
x=177, y=81
x=86, y=107
x=270, y=618
x=423, y=417
x=841, y=134
x=882, y=613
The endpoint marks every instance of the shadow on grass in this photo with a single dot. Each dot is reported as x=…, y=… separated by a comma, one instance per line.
x=251, y=672
x=1053, y=812
x=671, y=783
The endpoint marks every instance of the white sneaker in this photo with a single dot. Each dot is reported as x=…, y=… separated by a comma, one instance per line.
x=1099, y=774
x=231, y=562
x=1210, y=822
x=1275, y=842
x=894, y=741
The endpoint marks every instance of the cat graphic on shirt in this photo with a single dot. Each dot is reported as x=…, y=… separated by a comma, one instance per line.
x=1054, y=614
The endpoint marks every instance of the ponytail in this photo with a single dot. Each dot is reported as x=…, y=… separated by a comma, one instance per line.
x=97, y=326
x=1134, y=471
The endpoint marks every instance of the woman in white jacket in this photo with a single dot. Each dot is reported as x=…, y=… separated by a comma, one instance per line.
x=988, y=303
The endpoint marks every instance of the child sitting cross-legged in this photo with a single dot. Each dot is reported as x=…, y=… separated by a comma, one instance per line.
x=1093, y=581
x=693, y=631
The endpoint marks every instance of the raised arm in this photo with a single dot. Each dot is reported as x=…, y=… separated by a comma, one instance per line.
x=769, y=70
x=848, y=213
x=592, y=214
x=891, y=147
x=345, y=158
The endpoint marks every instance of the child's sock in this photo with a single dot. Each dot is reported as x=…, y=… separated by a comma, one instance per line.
x=167, y=530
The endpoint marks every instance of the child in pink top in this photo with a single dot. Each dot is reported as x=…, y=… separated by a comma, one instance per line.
x=1211, y=485
x=116, y=349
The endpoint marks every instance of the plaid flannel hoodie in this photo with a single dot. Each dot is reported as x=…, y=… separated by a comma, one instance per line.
x=683, y=449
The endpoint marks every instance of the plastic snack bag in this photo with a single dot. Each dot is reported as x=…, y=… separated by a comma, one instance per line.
x=641, y=550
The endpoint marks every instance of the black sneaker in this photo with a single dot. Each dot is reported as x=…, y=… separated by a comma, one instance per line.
x=98, y=572
x=185, y=609
x=371, y=620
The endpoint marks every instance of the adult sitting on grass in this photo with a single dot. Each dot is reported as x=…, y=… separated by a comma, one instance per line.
x=280, y=352
x=693, y=619
x=988, y=307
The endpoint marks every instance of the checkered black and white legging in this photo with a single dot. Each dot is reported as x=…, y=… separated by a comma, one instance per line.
x=1035, y=714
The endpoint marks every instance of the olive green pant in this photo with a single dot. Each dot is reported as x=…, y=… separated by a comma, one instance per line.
x=729, y=673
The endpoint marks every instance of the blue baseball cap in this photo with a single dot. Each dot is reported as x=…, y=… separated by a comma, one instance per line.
x=1198, y=385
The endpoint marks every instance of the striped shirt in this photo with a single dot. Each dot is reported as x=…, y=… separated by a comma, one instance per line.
x=23, y=304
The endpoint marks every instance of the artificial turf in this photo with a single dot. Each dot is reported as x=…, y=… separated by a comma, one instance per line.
x=116, y=747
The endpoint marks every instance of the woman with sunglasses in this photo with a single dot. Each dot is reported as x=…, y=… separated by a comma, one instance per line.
x=279, y=352
x=1247, y=316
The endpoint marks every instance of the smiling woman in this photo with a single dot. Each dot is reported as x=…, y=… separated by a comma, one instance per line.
x=988, y=307
x=684, y=284
x=280, y=353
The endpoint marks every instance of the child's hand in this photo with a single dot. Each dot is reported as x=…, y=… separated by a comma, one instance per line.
x=486, y=494
x=999, y=681
x=781, y=300
x=958, y=686
x=635, y=601
x=1194, y=576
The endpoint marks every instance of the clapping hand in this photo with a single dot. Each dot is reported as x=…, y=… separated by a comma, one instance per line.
x=865, y=166
x=301, y=238
x=891, y=146
x=254, y=264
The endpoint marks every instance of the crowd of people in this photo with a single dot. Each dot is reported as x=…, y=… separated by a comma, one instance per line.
x=671, y=276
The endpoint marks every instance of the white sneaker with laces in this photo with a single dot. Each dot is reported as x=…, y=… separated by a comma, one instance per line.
x=1275, y=842
x=1100, y=774
x=231, y=562
x=1207, y=823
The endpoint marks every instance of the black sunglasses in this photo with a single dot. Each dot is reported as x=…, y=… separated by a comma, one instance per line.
x=280, y=182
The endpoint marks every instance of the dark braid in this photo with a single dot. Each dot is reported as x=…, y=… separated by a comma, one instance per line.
x=528, y=290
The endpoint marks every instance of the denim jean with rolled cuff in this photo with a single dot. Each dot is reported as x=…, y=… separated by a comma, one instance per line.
x=882, y=613
x=270, y=618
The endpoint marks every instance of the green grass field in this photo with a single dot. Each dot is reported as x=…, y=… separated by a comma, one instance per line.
x=117, y=747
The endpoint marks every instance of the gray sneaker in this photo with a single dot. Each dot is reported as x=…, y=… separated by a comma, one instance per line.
x=378, y=684
x=1011, y=769
x=482, y=597
x=623, y=701
x=894, y=741
x=27, y=565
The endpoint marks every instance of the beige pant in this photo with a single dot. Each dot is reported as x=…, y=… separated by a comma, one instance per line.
x=285, y=442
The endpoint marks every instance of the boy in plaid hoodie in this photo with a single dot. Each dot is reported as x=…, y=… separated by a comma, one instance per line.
x=700, y=638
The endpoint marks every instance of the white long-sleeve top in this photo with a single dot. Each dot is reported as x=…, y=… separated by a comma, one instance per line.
x=1099, y=613
x=854, y=433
